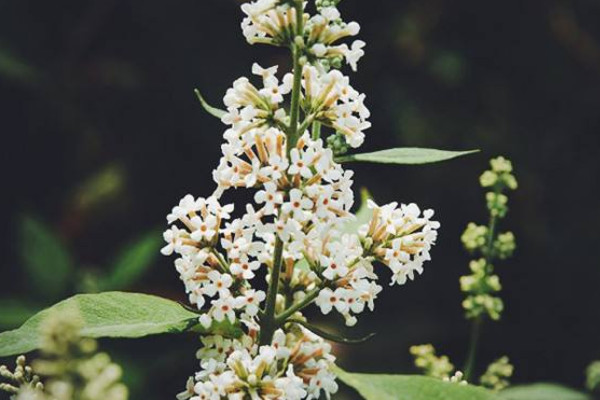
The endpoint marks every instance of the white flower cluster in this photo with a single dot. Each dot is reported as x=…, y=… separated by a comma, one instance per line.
x=295, y=233
x=255, y=148
x=275, y=21
x=296, y=365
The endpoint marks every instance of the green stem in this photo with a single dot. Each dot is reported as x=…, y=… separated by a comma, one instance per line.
x=478, y=322
x=316, y=130
x=310, y=296
x=222, y=262
x=473, y=345
x=268, y=324
x=297, y=52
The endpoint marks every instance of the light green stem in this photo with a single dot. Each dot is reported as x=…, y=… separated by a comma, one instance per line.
x=297, y=52
x=307, y=300
x=316, y=130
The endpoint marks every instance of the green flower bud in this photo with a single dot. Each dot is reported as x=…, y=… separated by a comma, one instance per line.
x=474, y=237
x=431, y=365
x=501, y=165
x=483, y=304
x=505, y=245
x=488, y=178
x=592, y=373
x=497, y=204
x=497, y=374
x=510, y=181
x=337, y=144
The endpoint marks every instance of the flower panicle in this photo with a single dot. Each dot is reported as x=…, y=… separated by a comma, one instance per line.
x=482, y=285
x=283, y=133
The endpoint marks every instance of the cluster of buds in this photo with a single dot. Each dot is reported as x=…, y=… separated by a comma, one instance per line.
x=296, y=365
x=457, y=378
x=497, y=375
x=592, y=374
x=22, y=378
x=70, y=366
x=295, y=232
x=277, y=22
x=430, y=364
x=482, y=285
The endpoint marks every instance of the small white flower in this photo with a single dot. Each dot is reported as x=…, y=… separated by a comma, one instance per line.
x=251, y=301
x=204, y=229
x=329, y=299
x=245, y=269
x=270, y=196
x=224, y=307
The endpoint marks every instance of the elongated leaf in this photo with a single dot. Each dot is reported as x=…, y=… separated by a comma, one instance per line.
x=45, y=259
x=411, y=387
x=331, y=336
x=111, y=314
x=542, y=391
x=405, y=156
x=214, y=111
x=133, y=262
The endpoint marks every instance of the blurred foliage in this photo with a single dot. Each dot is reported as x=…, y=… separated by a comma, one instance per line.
x=15, y=69
x=45, y=260
x=50, y=270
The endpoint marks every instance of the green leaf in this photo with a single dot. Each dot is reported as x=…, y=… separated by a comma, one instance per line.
x=331, y=336
x=411, y=387
x=45, y=259
x=14, y=313
x=14, y=68
x=542, y=391
x=405, y=156
x=133, y=261
x=363, y=215
x=111, y=314
x=215, y=112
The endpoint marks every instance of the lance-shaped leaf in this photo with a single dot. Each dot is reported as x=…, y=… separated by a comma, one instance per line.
x=405, y=156
x=132, y=262
x=214, y=111
x=114, y=315
x=331, y=336
x=542, y=391
x=45, y=258
x=411, y=387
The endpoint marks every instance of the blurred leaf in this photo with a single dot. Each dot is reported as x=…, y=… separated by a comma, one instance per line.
x=542, y=391
x=100, y=188
x=363, y=215
x=215, y=112
x=411, y=387
x=110, y=314
x=405, y=156
x=448, y=67
x=133, y=261
x=331, y=336
x=14, y=313
x=15, y=69
x=45, y=259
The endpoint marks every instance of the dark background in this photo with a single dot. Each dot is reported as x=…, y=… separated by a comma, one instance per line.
x=105, y=87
